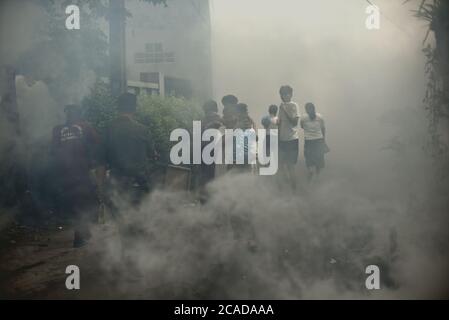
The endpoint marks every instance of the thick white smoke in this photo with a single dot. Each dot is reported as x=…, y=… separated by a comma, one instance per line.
x=376, y=202
x=312, y=243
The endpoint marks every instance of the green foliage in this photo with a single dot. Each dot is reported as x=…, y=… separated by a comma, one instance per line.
x=99, y=106
x=160, y=114
x=163, y=115
x=436, y=101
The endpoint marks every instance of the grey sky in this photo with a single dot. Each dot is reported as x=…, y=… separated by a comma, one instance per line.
x=323, y=50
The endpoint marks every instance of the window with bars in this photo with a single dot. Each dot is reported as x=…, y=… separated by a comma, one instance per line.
x=154, y=53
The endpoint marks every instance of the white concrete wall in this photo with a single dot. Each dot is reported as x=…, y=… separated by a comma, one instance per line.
x=183, y=30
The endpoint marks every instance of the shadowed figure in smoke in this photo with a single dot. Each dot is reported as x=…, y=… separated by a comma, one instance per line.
x=211, y=120
x=270, y=122
x=128, y=149
x=229, y=113
x=75, y=152
x=244, y=139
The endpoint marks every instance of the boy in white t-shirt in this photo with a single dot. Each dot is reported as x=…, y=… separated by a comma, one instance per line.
x=288, y=135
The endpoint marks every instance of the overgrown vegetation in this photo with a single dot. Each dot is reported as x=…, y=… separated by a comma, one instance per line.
x=160, y=114
x=436, y=101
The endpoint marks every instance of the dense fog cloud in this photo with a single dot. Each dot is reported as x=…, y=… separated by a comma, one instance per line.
x=375, y=202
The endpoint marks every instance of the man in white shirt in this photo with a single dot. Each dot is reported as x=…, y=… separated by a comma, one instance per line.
x=288, y=134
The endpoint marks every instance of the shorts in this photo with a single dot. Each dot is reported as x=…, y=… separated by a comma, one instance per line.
x=314, y=153
x=288, y=151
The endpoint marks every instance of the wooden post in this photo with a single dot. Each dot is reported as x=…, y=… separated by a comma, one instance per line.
x=440, y=27
x=117, y=46
x=12, y=172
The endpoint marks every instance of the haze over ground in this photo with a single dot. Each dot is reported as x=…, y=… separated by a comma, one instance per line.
x=374, y=202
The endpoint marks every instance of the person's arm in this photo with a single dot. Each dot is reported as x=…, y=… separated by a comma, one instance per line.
x=323, y=127
x=291, y=111
x=253, y=124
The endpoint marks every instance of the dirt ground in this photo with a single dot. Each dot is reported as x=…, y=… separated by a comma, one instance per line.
x=34, y=260
x=33, y=263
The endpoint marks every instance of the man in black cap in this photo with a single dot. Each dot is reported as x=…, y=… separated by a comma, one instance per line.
x=75, y=152
x=128, y=148
x=229, y=110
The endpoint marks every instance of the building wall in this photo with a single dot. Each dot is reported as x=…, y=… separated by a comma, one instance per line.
x=173, y=40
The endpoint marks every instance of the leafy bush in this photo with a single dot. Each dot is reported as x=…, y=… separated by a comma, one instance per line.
x=160, y=114
x=163, y=115
x=99, y=106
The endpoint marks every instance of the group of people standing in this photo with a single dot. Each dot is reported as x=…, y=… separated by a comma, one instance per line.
x=287, y=119
x=87, y=163
x=284, y=121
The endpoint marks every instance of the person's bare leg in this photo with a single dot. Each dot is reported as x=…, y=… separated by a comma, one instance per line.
x=309, y=174
x=283, y=176
x=291, y=175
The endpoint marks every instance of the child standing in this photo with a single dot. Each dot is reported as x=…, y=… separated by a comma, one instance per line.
x=314, y=144
x=288, y=135
x=269, y=122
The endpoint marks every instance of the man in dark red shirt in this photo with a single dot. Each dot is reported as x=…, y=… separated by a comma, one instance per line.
x=75, y=148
